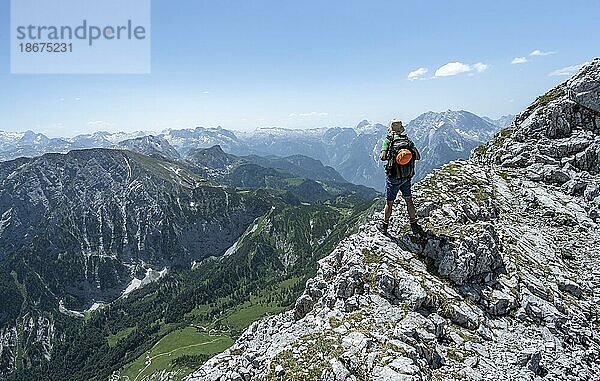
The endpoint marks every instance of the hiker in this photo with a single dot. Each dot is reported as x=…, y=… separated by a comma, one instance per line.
x=400, y=153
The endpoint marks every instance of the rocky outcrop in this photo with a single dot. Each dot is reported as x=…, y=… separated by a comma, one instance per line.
x=502, y=286
x=557, y=138
x=151, y=146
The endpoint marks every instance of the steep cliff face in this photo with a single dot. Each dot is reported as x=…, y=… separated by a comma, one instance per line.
x=85, y=220
x=503, y=285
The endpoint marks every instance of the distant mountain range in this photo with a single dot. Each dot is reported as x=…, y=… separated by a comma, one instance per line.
x=353, y=152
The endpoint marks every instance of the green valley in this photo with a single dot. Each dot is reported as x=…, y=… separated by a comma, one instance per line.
x=238, y=241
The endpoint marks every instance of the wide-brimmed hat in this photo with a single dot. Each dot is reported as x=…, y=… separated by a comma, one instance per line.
x=396, y=126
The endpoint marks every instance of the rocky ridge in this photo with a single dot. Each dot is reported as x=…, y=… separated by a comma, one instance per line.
x=121, y=209
x=503, y=285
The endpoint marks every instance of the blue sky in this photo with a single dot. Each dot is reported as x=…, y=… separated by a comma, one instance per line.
x=247, y=64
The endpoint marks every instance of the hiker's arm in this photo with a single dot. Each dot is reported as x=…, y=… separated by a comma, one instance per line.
x=384, y=149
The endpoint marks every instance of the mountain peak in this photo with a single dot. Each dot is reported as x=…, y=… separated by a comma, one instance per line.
x=502, y=122
x=215, y=149
x=362, y=123
x=445, y=136
x=150, y=145
x=365, y=127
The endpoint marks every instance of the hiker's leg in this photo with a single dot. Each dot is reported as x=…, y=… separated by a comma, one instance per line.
x=412, y=216
x=392, y=186
x=387, y=212
x=410, y=206
x=405, y=188
x=412, y=211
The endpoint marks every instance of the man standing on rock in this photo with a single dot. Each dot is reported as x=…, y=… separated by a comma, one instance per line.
x=400, y=153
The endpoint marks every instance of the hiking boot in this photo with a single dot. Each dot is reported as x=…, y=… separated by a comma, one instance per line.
x=416, y=228
x=382, y=227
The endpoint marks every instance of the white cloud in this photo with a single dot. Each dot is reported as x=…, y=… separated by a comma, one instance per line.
x=307, y=114
x=480, y=67
x=567, y=71
x=455, y=68
x=416, y=74
x=452, y=68
x=518, y=60
x=539, y=53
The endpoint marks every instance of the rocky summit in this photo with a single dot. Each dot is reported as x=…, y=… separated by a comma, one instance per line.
x=502, y=286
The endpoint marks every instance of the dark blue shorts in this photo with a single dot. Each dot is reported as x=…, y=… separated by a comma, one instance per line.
x=392, y=186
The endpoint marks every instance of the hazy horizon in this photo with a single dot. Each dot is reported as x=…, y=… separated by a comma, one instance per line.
x=233, y=129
